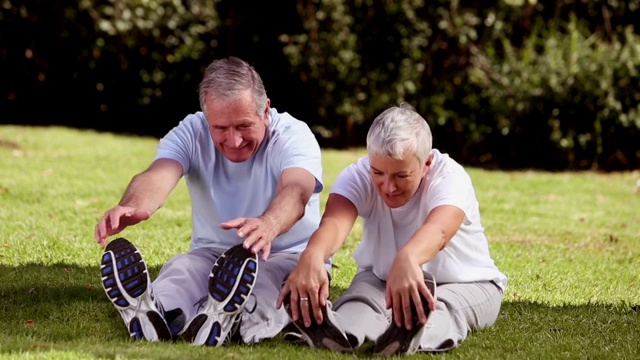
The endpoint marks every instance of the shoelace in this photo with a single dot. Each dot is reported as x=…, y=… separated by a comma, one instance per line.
x=236, y=321
x=157, y=303
x=200, y=303
x=235, y=327
x=255, y=304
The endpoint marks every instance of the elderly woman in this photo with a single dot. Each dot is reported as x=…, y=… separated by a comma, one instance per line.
x=422, y=227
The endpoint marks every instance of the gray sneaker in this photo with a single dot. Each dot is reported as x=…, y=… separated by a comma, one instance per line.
x=326, y=335
x=231, y=281
x=126, y=282
x=398, y=340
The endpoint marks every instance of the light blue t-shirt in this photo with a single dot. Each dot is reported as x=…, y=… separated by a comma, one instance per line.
x=221, y=190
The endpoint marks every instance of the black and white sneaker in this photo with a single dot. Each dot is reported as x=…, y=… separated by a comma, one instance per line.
x=231, y=281
x=126, y=282
x=326, y=335
x=399, y=340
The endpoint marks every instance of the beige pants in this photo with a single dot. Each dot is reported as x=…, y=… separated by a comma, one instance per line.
x=184, y=281
x=461, y=307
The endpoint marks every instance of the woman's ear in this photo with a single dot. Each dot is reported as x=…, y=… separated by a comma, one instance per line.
x=427, y=164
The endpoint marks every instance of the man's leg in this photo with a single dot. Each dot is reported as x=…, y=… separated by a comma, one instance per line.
x=230, y=285
x=260, y=318
x=182, y=284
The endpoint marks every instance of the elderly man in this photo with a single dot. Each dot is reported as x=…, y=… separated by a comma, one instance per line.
x=254, y=178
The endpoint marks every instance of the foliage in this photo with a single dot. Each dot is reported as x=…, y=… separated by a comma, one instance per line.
x=158, y=32
x=496, y=79
x=566, y=94
x=98, y=64
x=358, y=64
x=436, y=55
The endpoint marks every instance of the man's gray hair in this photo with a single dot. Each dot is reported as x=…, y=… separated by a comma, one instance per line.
x=398, y=130
x=228, y=78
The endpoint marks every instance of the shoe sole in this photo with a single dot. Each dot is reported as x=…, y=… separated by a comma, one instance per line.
x=125, y=280
x=398, y=340
x=231, y=281
x=322, y=336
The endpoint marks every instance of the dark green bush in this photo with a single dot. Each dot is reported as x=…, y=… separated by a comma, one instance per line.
x=503, y=83
x=565, y=99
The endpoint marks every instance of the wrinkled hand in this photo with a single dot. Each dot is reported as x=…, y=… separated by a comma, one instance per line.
x=116, y=220
x=259, y=233
x=308, y=280
x=405, y=284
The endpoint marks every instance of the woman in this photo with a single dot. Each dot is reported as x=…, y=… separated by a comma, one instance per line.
x=422, y=227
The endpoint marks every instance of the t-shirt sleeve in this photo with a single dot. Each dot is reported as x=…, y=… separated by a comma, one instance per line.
x=178, y=144
x=453, y=186
x=297, y=147
x=354, y=184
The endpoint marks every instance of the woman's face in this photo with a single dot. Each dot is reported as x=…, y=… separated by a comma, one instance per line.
x=396, y=181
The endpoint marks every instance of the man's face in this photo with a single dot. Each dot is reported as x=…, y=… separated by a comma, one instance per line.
x=396, y=181
x=237, y=131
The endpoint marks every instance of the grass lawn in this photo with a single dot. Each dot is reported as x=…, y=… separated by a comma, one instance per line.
x=569, y=243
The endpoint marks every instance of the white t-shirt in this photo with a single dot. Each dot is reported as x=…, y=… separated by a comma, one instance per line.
x=221, y=190
x=466, y=257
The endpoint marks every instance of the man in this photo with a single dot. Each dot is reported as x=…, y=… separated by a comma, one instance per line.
x=421, y=228
x=254, y=178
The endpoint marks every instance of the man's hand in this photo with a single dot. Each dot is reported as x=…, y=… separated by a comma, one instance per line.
x=259, y=233
x=116, y=220
x=405, y=284
x=308, y=280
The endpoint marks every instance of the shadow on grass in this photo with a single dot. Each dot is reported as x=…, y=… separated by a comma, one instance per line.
x=63, y=308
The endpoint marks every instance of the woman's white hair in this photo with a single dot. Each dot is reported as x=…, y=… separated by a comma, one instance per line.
x=398, y=130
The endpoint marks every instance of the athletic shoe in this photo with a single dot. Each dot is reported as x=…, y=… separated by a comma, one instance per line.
x=126, y=282
x=231, y=281
x=399, y=340
x=326, y=335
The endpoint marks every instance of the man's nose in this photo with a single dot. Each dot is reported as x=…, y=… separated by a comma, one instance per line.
x=235, y=138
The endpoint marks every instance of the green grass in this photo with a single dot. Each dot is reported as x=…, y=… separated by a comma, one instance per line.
x=569, y=243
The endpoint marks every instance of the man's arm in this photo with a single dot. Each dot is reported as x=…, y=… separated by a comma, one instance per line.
x=149, y=190
x=294, y=190
x=145, y=194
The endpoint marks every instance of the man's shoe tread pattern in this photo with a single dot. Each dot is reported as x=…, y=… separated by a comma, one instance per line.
x=126, y=282
x=231, y=281
x=131, y=270
x=225, y=274
x=135, y=329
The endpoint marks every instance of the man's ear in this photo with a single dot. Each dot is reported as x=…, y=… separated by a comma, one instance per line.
x=267, y=109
